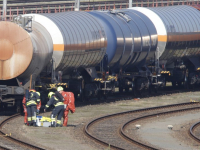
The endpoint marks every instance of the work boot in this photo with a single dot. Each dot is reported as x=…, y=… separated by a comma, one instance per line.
x=58, y=125
x=34, y=124
x=53, y=124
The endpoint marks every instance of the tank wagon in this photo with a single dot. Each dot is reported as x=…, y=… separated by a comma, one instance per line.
x=91, y=53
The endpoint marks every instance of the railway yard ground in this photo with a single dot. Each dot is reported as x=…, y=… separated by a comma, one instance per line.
x=72, y=136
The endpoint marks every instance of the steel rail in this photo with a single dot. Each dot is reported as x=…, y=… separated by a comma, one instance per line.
x=4, y=148
x=19, y=142
x=191, y=131
x=86, y=130
x=122, y=131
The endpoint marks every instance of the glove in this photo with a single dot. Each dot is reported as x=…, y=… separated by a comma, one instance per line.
x=38, y=111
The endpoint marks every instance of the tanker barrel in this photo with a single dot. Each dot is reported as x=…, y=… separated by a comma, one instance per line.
x=16, y=50
x=24, y=51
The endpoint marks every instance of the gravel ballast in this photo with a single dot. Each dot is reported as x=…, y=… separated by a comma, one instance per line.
x=72, y=137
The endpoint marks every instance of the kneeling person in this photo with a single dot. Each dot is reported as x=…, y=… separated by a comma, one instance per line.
x=57, y=111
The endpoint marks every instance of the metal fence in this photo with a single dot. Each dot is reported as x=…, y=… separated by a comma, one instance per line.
x=14, y=9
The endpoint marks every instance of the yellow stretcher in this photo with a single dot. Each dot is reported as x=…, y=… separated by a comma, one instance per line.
x=42, y=121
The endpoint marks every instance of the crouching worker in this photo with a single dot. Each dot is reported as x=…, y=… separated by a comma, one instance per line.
x=32, y=99
x=57, y=111
x=68, y=102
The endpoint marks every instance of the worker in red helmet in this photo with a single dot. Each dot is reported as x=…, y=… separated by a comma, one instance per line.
x=32, y=100
x=68, y=103
x=25, y=109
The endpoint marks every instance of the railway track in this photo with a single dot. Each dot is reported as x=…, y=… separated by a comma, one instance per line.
x=14, y=140
x=110, y=131
x=192, y=131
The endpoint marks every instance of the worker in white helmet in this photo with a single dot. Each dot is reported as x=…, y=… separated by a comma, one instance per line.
x=57, y=111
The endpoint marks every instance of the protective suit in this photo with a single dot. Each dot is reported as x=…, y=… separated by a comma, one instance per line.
x=25, y=111
x=70, y=106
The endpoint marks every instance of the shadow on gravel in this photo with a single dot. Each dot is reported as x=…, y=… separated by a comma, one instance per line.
x=70, y=125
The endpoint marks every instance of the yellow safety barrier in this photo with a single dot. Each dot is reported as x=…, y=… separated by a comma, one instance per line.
x=109, y=78
x=61, y=83
x=165, y=71
x=52, y=85
x=58, y=84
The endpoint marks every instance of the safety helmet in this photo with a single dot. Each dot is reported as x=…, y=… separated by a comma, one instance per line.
x=50, y=94
x=32, y=90
x=60, y=88
x=38, y=93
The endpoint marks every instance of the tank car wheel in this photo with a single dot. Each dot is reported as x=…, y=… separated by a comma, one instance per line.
x=1, y=106
x=179, y=84
x=150, y=89
x=5, y=106
x=81, y=96
x=127, y=89
x=191, y=86
x=173, y=84
x=18, y=106
x=185, y=83
x=99, y=95
x=156, y=90
x=139, y=92
x=134, y=91
x=113, y=90
x=120, y=89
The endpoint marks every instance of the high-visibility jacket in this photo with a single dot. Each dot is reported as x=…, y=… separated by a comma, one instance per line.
x=69, y=101
x=24, y=103
x=53, y=101
x=33, y=100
